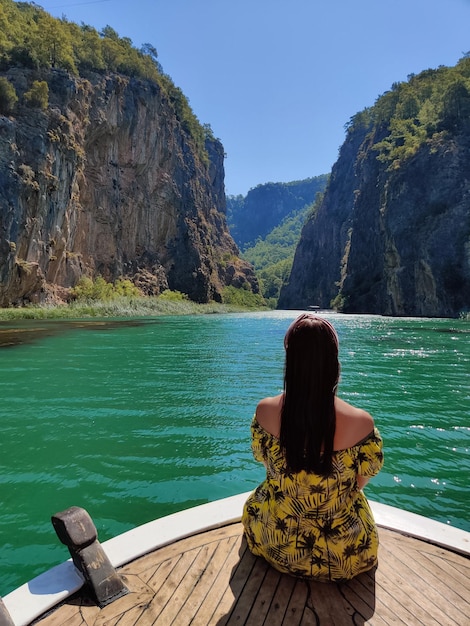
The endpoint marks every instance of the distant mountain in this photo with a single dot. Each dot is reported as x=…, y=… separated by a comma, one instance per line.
x=392, y=233
x=264, y=207
x=271, y=217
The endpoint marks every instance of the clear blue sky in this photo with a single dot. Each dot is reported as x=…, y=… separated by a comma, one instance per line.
x=277, y=80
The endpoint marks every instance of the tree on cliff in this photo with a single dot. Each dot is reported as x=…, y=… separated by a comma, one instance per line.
x=456, y=105
x=8, y=97
x=31, y=38
x=38, y=95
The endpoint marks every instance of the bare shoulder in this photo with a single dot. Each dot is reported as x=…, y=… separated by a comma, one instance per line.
x=352, y=424
x=268, y=414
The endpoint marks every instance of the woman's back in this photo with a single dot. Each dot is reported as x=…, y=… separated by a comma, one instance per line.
x=352, y=424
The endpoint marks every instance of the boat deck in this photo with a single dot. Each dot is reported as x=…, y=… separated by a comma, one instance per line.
x=212, y=579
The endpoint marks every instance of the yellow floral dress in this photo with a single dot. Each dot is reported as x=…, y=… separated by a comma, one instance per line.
x=310, y=525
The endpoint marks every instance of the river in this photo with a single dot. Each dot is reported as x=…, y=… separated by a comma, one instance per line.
x=135, y=419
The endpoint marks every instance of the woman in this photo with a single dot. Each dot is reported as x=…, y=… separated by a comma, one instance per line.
x=309, y=518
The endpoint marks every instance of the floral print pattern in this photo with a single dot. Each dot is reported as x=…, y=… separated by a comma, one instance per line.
x=310, y=525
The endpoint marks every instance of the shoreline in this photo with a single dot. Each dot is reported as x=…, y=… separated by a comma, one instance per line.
x=134, y=307
x=120, y=307
x=56, y=318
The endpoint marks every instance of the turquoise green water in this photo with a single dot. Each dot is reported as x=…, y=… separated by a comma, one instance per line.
x=133, y=422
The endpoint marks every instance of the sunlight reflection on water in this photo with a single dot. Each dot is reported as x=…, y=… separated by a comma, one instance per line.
x=134, y=421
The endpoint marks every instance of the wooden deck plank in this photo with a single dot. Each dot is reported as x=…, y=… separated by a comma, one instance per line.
x=280, y=604
x=300, y=612
x=328, y=605
x=129, y=607
x=455, y=577
x=405, y=555
x=264, y=597
x=71, y=618
x=212, y=579
x=195, y=582
x=169, y=596
x=459, y=566
x=71, y=613
x=127, y=613
x=404, y=594
x=229, y=556
x=240, y=573
x=147, y=562
x=359, y=601
x=456, y=606
x=90, y=615
x=360, y=593
x=135, y=584
x=245, y=600
x=370, y=608
x=156, y=577
x=394, y=608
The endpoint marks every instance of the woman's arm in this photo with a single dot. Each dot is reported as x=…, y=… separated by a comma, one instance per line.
x=362, y=481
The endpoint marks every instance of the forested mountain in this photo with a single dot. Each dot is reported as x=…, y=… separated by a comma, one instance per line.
x=272, y=257
x=104, y=168
x=392, y=234
x=266, y=206
x=271, y=252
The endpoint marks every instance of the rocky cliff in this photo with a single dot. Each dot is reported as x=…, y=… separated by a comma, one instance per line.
x=106, y=181
x=266, y=206
x=392, y=235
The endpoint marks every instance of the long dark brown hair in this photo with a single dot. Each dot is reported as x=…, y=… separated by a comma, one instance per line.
x=311, y=375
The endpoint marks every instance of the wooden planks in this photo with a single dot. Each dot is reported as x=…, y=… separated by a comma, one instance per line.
x=424, y=583
x=212, y=579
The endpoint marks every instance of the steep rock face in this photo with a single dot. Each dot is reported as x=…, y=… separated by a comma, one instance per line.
x=265, y=207
x=317, y=260
x=106, y=182
x=389, y=241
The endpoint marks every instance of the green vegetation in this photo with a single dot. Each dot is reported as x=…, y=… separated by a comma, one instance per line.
x=266, y=225
x=38, y=95
x=98, y=298
x=120, y=307
x=8, y=97
x=266, y=206
x=339, y=303
x=242, y=298
x=273, y=256
x=90, y=292
x=31, y=38
x=173, y=296
x=88, y=289
x=428, y=108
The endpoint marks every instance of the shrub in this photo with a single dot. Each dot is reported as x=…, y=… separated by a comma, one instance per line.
x=99, y=289
x=242, y=298
x=173, y=296
x=38, y=95
x=124, y=287
x=339, y=303
x=8, y=97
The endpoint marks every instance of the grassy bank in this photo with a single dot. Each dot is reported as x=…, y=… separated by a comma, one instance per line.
x=119, y=307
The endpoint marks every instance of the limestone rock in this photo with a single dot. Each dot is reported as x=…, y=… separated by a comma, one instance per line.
x=107, y=182
x=389, y=241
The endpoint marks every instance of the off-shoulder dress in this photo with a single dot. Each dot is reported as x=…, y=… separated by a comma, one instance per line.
x=310, y=525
